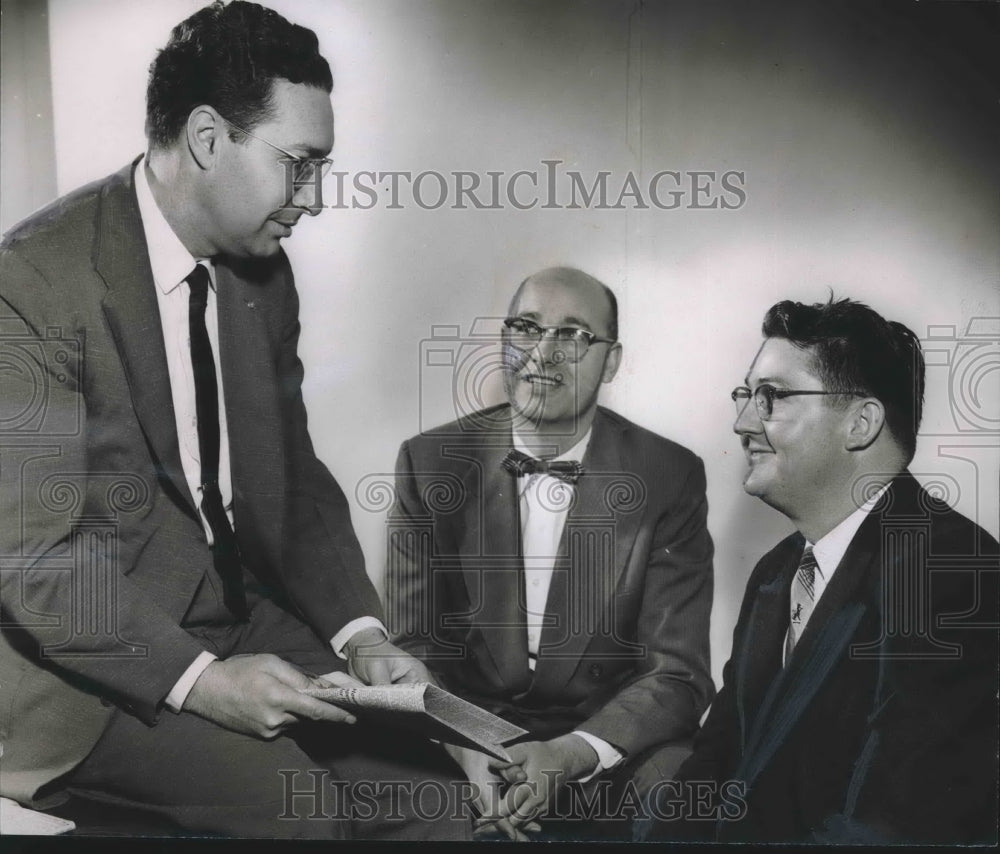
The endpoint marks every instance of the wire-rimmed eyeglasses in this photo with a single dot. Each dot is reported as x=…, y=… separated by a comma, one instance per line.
x=304, y=169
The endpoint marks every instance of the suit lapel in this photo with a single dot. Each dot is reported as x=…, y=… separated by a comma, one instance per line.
x=758, y=662
x=831, y=628
x=133, y=315
x=490, y=551
x=596, y=543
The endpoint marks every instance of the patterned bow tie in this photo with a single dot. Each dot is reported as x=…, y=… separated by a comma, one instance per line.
x=568, y=471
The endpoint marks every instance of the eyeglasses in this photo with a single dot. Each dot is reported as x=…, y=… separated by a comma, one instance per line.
x=765, y=395
x=304, y=169
x=573, y=342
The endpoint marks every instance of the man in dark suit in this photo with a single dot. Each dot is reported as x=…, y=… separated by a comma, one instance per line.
x=859, y=704
x=550, y=561
x=177, y=561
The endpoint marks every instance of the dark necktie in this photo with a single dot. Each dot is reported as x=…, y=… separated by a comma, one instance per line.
x=803, y=598
x=568, y=471
x=224, y=550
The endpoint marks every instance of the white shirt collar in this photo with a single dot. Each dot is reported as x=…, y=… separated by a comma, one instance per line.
x=169, y=259
x=830, y=548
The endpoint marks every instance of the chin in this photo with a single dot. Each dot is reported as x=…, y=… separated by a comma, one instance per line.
x=752, y=485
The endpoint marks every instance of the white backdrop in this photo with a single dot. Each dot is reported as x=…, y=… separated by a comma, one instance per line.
x=865, y=171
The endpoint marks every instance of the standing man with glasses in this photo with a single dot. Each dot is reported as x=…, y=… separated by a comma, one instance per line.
x=549, y=560
x=859, y=704
x=154, y=665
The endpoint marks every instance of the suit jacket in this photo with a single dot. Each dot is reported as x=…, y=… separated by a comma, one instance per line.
x=624, y=652
x=882, y=726
x=103, y=551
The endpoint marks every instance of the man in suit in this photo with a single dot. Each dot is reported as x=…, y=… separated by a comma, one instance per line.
x=549, y=560
x=177, y=563
x=859, y=704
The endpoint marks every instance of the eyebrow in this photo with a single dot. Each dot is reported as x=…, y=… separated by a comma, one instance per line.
x=311, y=151
x=764, y=381
x=566, y=321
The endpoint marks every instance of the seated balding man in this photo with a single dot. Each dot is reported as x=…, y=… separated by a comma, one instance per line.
x=568, y=587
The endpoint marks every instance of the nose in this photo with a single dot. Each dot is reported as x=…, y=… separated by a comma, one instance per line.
x=550, y=349
x=308, y=195
x=748, y=420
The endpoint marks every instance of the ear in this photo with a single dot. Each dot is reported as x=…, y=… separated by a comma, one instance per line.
x=204, y=131
x=612, y=362
x=865, y=424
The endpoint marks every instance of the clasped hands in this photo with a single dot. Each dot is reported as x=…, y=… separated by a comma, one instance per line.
x=535, y=773
x=261, y=695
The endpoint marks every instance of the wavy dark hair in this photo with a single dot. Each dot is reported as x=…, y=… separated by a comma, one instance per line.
x=854, y=347
x=228, y=56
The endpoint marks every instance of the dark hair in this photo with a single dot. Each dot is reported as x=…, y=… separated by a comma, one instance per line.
x=228, y=56
x=855, y=348
x=573, y=273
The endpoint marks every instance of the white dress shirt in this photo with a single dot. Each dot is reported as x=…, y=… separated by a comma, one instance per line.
x=544, y=504
x=171, y=264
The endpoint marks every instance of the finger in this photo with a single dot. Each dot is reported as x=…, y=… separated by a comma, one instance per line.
x=520, y=805
x=285, y=673
x=339, y=679
x=308, y=708
x=378, y=672
x=486, y=831
x=410, y=676
x=512, y=773
x=513, y=834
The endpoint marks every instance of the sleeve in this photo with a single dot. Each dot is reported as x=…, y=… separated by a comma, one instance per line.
x=324, y=567
x=135, y=652
x=671, y=686
x=409, y=588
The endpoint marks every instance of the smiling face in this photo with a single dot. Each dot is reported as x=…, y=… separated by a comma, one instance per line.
x=798, y=456
x=246, y=197
x=555, y=395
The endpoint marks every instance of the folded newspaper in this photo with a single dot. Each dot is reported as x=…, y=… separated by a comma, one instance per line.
x=426, y=709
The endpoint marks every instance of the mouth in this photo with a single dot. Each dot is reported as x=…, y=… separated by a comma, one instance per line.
x=285, y=226
x=543, y=379
x=755, y=452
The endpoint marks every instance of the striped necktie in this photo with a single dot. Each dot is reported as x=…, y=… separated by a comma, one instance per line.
x=803, y=599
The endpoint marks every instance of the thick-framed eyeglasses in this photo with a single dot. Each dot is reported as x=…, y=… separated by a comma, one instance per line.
x=572, y=342
x=765, y=395
x=304, y=169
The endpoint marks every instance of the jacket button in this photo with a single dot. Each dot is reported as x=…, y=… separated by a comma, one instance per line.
x=595, y=671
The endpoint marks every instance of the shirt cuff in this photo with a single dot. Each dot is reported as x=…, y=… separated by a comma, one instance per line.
x=339, y=640
x=607, y=756
x=182, y=687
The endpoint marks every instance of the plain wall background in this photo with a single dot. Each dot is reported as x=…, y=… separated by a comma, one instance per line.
x=867, y=134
